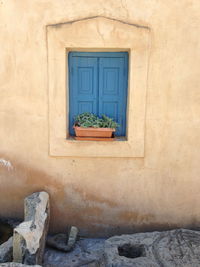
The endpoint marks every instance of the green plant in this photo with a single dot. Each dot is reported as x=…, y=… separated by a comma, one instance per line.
x=87, y=119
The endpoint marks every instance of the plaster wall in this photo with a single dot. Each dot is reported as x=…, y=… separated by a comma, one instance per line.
x=100, y=195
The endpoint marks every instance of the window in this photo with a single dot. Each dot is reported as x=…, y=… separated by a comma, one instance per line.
x=98, y=84
x=85, y=35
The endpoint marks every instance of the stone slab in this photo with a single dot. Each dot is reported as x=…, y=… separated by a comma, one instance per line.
x=6, y=250
x=15, y=264
x=87, y=252
x=30, y=236
x=156, y=249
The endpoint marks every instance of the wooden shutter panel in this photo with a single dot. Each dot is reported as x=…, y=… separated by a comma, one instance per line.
x=112, y=89
x=83, y=86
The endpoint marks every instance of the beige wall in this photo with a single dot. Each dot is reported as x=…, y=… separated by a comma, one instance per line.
x=103, y=195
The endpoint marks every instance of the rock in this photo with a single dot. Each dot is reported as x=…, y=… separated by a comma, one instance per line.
x=72, y=237
x=60, y=242
x=30, y=236
x=88, y=252
x=14, y=264
x=157, y=249
x=93, y=264
x=6, y=250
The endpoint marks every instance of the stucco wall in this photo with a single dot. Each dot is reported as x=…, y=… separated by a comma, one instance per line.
x=103, y=195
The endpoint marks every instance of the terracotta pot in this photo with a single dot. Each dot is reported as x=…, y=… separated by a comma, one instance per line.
x=93, y=132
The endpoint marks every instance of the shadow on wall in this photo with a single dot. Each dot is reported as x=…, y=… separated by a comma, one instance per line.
x=70, y=205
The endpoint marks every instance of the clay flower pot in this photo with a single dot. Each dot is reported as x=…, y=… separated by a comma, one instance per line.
x=93, y=132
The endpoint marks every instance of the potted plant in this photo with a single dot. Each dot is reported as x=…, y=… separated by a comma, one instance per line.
x=88, y=126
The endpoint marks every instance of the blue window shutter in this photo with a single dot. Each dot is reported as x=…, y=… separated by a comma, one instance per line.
x=83, y=86
x=98, y=84
x=113, y=90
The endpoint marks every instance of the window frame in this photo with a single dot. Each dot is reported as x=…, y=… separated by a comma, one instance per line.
x=86, y=35
x=99, y=55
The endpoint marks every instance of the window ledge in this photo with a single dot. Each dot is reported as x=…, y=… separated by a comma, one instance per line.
x=115, y=139
x=76, y=148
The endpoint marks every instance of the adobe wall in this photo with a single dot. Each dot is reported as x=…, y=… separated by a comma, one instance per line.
x=103, y=195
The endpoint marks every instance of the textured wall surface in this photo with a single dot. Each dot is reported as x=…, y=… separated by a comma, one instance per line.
x=103, y=196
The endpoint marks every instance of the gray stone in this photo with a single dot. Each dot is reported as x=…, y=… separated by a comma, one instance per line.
x=93, y=264
x=88, y=252
x=30, y=236
x=14, y=264
x=157, y=249
x=61, y=242
x=58, y=241
x=6, y=251
x=72, y=237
